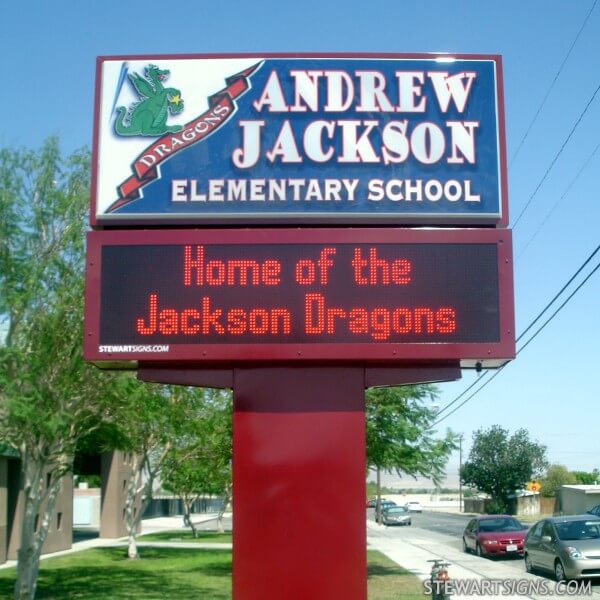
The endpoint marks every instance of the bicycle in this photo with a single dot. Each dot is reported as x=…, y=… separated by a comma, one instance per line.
x=439, y=579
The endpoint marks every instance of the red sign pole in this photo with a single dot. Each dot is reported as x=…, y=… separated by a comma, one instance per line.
x=299, y=484
x=299, y=463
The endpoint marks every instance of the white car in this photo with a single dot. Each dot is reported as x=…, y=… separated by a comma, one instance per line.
x=414, y=507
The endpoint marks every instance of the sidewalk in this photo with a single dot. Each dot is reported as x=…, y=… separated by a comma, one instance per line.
x=414, y=547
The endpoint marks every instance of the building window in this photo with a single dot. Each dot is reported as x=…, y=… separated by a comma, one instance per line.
x=59, y=521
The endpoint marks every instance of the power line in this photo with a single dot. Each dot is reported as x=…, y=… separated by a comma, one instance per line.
x=564, y=287
x=556, y=157
x=567, y=190
x=496, y=373
x=559, y=309
x=548, y=305
x=539, y=110
x=478, y=380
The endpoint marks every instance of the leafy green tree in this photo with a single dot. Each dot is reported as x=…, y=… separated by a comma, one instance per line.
x=49, y=398
x=201, y=462
x=556, y=475
x=586, y=477
x=157, y=422
x=500, y=464
x=399, y=434
x=372, y=489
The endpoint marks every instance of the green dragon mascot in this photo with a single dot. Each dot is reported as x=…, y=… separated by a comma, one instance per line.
x=148, y=117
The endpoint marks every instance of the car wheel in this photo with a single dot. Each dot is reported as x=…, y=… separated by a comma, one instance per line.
x=479, y=550
x=409, y=523
x=465, y=547
x=559, y=571
x=528, y=565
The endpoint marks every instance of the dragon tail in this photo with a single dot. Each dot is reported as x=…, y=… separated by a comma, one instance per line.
x=120, y=127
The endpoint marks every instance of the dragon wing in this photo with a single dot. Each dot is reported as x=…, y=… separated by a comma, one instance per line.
x=144, y=89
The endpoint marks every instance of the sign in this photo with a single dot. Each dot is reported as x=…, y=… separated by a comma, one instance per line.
x=303, y=139
x=321, y=294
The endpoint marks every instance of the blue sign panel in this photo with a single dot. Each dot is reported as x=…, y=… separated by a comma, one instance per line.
x=299, y=139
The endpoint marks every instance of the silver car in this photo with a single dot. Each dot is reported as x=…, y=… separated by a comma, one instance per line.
x=569, y=547
x=396, y=515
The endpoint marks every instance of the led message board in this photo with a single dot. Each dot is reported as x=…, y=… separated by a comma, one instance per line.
x=361, y=139
x=246, y=295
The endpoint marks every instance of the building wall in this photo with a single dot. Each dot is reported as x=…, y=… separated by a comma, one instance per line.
x=576, y=500
x=116, y=472
x=60, y=532
x=3, y=507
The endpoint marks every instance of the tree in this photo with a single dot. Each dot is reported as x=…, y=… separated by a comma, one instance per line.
x=49, y=398
x=399, y=434
x=556, y=475
x=587, y=478
x=157, y=421
x=201, y=464
x=500, y=464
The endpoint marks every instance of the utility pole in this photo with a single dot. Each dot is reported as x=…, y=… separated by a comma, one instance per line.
x=460, y=440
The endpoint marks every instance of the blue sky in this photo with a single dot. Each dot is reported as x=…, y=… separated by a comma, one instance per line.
x=49, y=51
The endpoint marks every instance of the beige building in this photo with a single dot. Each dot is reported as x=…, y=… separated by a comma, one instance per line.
x=578, y=499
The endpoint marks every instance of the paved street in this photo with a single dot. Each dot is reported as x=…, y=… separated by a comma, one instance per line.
x=448, y=523
x=412, y=547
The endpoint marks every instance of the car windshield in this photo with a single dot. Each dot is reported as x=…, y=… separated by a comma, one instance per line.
x=397, y=509
x=500, y=524
x=578, y=530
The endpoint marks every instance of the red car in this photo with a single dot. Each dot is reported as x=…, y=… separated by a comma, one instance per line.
x=494, y=535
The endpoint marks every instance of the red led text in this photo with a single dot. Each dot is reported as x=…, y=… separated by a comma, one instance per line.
x=208, y=320
x=198, y=271
x=316, y=293
x=378, y=322
x=372, y=270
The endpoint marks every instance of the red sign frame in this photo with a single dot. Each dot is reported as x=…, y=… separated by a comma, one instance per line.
x=224, y=354
x=97, y=222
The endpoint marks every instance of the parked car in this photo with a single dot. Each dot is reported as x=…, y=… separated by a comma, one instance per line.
x=494, y=535
x=385, y=505
x=414, y=506
x=595, y=510
x=568, y=547
x=396, y=515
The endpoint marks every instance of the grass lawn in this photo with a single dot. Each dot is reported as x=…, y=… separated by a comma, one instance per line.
x=107, y=574
x=173, y=574
x=185, y=535
x=387, y=581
